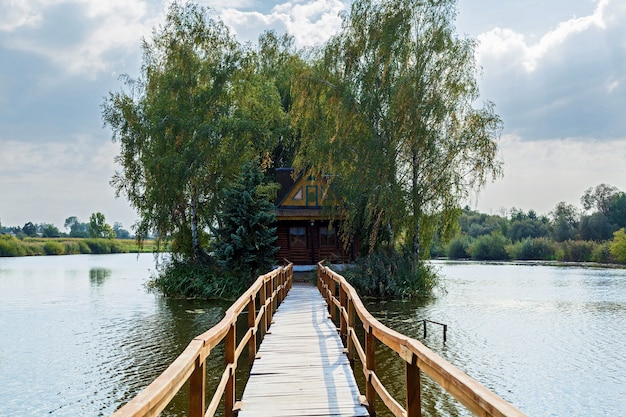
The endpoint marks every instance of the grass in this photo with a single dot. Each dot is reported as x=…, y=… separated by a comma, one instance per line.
x=11, y=246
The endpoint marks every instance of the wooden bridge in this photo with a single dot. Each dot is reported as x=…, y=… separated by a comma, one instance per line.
x=304, y=364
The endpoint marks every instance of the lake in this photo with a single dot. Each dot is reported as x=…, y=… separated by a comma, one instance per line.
x=80, y=334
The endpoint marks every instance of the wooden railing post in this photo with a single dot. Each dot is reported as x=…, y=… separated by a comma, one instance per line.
x=370, y=364
x=413, y=389
x=281, y=283
x=230, y=349
x=197, y=388
x=251, y=323
x=342, y=318
x=351, y=324
x=273, y=299
x=262, y=305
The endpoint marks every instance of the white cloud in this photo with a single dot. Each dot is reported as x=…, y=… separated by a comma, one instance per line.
x=79, y=36
x=506, y=42
x=567, y=83
x=18, y=13
x=310, y=23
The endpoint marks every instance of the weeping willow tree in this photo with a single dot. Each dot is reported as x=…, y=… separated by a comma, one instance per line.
x=187, y=124
x=389, y=109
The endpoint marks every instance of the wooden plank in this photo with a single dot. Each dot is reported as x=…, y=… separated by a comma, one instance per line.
x=302, y=369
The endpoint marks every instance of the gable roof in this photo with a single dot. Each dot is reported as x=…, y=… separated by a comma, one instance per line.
x=304, y=199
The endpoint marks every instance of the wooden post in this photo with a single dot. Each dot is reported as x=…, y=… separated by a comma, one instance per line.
x=262, y=301
x=268, y=293
x=342, y=319
x=370, y=359
x=413, y=390
x=319, y=278
x=333, y=296
x=230, y=348
x=351, y=323
x=251, y=322
x=197, y=388
x=273, y=299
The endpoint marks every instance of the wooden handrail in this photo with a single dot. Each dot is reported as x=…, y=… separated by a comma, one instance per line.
x=190, y=365
x=341, y=296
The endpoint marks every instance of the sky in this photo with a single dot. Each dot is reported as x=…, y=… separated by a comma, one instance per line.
x=556, y=71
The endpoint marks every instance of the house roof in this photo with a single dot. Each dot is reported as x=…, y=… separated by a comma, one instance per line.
x=302, y=198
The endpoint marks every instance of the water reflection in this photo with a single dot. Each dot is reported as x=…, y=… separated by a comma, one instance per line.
x=97, y=276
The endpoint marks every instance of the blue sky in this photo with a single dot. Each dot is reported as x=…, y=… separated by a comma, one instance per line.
x=556, y=71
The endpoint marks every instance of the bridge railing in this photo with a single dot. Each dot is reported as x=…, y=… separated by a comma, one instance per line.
x=343, y=301
x=270, y=290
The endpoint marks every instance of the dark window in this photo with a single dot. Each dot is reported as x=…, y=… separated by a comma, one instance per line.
x=328, y=237
x=297, y=237
x=311, y=195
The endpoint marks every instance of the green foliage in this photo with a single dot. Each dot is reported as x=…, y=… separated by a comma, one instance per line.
x=245, y=240
x=180, y=278
x=387, y=108
x=565, y=222
x=532, y=249
x=74, y=247
x=524, y=226
x=53, y=248
x=575, y=251
x=477, y=224
x=602, y=253
x=11, y=246
x=49, y=230
x=596, y=227
x=99, y=228
x=617, y=210
x=618, y=245
x=202, y=106
x=77, y=229
x=458, y=247
x=29, y=229
x=102, y=246
x=390, y=274
x=120, y=232
x=490, y=247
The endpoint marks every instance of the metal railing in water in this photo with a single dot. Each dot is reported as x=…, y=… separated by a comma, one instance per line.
x=344, y=302
x=270, y=290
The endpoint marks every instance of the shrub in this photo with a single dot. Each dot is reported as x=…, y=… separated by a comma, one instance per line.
x=71, y=247
x=181, y=278
x=532, y=249
x=102, y=246
x=11, y=246
x=618, y=245
x=575, y=251
x=53, y=248
x=391, y=274
x=489, y=248
x=83, y=247
x=602, y=253
x=457, y=249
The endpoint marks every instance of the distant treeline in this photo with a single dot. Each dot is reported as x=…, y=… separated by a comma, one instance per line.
x=565, y=234
x=12, y=246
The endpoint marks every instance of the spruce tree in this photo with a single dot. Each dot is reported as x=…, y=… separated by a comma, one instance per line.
x=245, y=240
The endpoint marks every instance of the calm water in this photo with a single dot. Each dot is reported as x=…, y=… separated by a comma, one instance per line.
x=79, y=335
x=550, y=340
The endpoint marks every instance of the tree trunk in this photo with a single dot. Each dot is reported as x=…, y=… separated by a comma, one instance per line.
x=195, y=240
x=416, y=202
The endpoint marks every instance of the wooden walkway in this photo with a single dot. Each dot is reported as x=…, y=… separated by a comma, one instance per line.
x=301, y=369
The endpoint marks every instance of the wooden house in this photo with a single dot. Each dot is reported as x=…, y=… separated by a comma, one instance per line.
x=305, y=234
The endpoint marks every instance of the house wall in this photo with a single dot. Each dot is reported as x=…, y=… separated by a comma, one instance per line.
x=311, y=250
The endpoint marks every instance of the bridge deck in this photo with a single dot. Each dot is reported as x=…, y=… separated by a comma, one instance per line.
x=301, y=369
